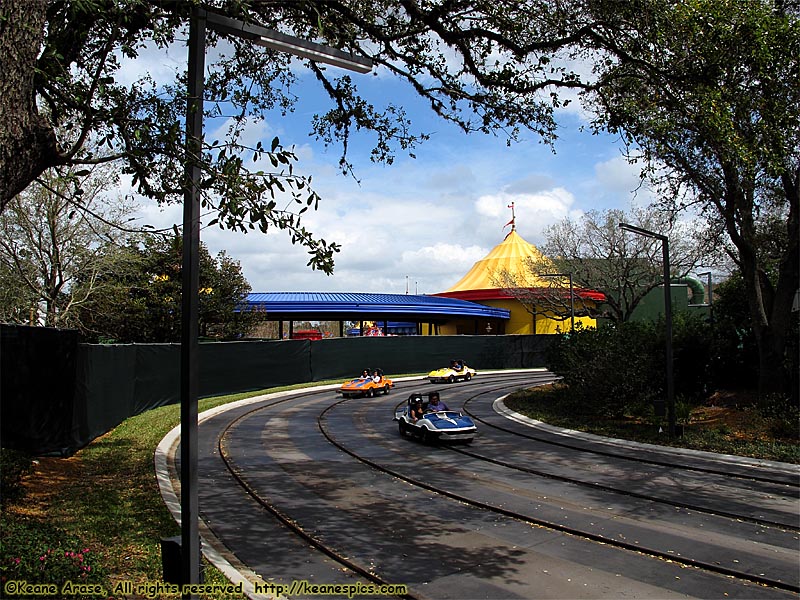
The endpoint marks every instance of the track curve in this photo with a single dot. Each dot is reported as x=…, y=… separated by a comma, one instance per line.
x=309, y=486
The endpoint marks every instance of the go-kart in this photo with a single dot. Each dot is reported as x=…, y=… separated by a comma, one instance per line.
x=457, y=371
x=434, y=426
x=370, y=383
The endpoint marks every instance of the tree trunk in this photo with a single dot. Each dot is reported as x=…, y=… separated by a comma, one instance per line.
x=772, y=377
x=27, y=141
x=771, y=314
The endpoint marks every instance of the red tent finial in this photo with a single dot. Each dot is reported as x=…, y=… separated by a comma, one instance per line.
x=512, y=222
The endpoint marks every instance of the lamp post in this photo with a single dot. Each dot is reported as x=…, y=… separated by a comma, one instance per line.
x=667, y=318
x=571, y=296
x=200, y=19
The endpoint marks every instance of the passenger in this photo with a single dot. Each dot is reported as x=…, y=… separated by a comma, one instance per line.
x=416, y=410
x=364, y=374
x=436, y=404
x=376, y=377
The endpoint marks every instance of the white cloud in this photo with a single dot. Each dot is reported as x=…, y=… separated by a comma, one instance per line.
x=617, y=175
x=534, y=212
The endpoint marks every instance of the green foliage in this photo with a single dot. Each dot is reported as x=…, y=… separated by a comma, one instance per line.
x=482, y=67
x=51, y=236
x=143, y=289
x=619, y=369
x=736, y=354
x=783, y=416
x=41, y=553
x=693, y=350
x=610, y=371
x=705, y=93
x=14, y=465
x=735, y=360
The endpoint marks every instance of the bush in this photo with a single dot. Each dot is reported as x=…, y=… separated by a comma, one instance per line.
x=610, y=371
x=619, y=369
x=693, y=346
x=783, y=416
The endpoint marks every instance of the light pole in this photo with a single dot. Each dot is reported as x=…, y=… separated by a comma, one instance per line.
x=200, y=19
x=667, y=318
x=571, y=296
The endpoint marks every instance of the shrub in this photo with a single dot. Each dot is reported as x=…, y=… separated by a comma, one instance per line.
x=619, y=369
x=782, y=415
x=610, y=371
x=693, y=346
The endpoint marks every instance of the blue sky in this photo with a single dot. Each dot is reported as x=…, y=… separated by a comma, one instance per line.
x=420, y=223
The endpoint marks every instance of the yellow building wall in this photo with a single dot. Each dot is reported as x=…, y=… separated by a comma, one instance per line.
x=520, y=323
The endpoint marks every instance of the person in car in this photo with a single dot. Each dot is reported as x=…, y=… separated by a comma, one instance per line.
x=436, y=404
x=416, y=410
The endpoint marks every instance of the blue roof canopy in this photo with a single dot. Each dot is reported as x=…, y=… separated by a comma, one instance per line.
x=347, y=306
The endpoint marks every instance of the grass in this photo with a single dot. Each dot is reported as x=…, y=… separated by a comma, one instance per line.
x=729, y=427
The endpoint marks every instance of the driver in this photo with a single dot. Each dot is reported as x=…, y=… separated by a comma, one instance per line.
x=436, y=404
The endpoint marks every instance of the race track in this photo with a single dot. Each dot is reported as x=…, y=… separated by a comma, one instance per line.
x=308, y=487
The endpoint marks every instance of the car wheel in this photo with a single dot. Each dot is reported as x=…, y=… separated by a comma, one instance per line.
x=369, y=393
x=427, y=436
x=451, y=379
x=468, y=376
x=402, y=425
x=385, y=389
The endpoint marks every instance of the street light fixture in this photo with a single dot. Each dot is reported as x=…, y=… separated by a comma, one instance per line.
x=276, y=40
x=667, y=319
x=571, y=296
x=200, y=19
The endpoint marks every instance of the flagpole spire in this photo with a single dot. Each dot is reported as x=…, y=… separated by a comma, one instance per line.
x=513, y=221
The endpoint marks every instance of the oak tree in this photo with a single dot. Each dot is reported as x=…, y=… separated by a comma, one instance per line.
x=484, y=65
x=707, y=93
x=52, y=238
x=141, y=299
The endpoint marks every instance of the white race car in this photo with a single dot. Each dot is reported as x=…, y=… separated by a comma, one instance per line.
x=432, y=426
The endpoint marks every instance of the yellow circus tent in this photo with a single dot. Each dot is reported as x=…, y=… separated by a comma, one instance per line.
x=512, y=264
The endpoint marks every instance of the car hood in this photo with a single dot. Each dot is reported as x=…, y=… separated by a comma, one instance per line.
x=441, y=372
x=449, y=420
x=356, y=383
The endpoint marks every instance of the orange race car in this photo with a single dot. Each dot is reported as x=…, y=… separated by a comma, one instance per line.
x=368, y=384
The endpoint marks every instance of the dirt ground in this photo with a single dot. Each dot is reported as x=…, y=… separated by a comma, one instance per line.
x=731, y=410
x=50, y=474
